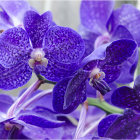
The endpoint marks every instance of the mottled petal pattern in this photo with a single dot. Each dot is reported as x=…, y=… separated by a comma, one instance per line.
x=126, y=126
x=109, y=57
x=119, y=51
x=14, y=47
x=37, y=26
x=59, y=92
x=128, y=68
x=74, y=86
x=126, y=97
x=14, y=77
x=111, y=72
x=64, y=45
x=57, y=71
x=129, y=17
x=105, y=124
x=95, y=14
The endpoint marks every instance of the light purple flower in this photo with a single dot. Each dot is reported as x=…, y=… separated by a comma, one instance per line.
x=101, y=25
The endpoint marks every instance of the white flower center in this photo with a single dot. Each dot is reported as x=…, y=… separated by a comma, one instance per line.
x=38, y=57
x=96, y=74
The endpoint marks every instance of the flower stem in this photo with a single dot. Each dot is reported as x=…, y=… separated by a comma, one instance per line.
x=23, y=97
x=40, y=77
x=82, y=120
x=36, y=98
x=108, y=108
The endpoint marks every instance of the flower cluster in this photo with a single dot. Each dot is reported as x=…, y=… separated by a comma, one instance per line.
x=85, y=67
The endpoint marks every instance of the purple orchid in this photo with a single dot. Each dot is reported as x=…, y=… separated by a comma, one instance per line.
x=30, y=42
x=36, y=120
x=87, y=122
x=127, y=97
x=115, y=126
x=99, y=19
x=12, y=13
x=101, y=25
x=54, y=51
x=131, y=22
x=101, y=67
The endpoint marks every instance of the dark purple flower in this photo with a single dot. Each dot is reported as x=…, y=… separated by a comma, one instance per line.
x=127, y=97
x=131, y=22
x=101, y=67
x=101, y=25
x=92, y=92
x=55, y=51
x=126, y=126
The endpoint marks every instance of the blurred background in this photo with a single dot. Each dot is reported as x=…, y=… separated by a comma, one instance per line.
x=65, y=13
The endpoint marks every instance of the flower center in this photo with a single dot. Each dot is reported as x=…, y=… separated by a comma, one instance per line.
x=38, y=57
x=1, y=31
x=96, y=74
x=102, y=39
x=8, y=126
x=96, y=81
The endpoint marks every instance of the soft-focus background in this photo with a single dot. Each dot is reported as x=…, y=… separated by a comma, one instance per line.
x=65, y=13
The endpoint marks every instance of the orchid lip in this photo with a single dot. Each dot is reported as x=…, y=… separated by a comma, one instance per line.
x=38, y=57
x=96, y=80
x=96, y=74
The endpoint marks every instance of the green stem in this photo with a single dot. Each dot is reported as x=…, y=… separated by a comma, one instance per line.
x=110, y=109
x=40, y=77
